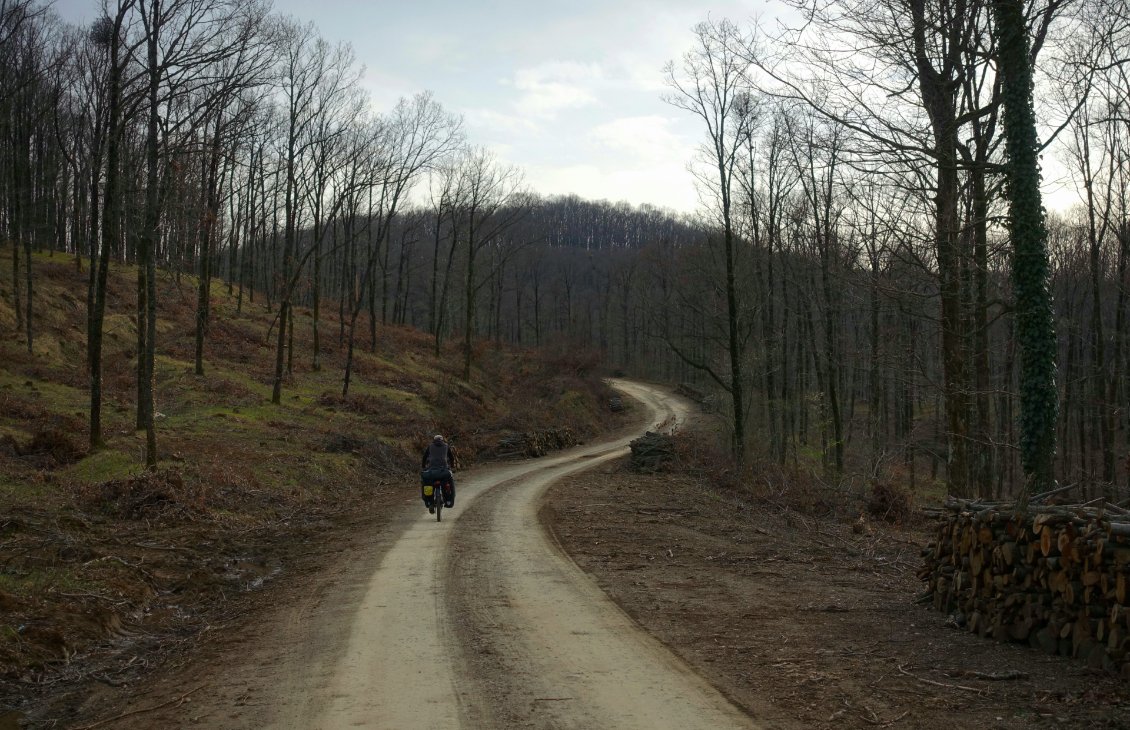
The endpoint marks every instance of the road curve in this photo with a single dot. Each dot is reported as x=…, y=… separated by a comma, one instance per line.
x=476, y=622
x=543, y=646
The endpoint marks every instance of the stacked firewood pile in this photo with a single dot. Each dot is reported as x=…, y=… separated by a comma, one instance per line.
x=535, y=443
x=651, y=451
x=1055, y=577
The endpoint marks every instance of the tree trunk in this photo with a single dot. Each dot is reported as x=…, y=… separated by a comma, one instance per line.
x=1035, y=330
x=982, y=440
x=936, y=89
x=29, y=292
x=316, y=363
x=469, y=321
x=207, y=241
x=147, y=245
x=737, y=398
x=110, y=231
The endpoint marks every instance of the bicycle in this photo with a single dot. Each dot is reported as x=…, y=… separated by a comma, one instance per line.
x=438, y=495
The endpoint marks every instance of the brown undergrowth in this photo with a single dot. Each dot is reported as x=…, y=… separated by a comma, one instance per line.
x=106, y=567
x=790, y=487
x=797, y=599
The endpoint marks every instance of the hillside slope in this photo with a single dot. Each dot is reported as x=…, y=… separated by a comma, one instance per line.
x=96, y=552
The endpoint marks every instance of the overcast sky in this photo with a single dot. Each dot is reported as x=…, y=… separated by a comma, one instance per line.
x=568, y=91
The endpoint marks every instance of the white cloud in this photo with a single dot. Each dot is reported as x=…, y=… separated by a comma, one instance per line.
x=435, y=50
x=647, y=138
x=556, y=85
x=491, y=122
x=643, y=72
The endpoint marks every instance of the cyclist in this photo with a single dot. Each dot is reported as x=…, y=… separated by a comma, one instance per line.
x=438, y=460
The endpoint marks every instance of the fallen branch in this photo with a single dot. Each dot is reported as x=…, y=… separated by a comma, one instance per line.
x=941, y=684
x=990, y=676
x=1044, y=495
x=175, y=700
x=97, y=596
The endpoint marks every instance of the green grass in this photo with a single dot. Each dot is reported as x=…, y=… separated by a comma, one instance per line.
x=102, y=466
x=51, y=395
x=809, y=455
x=24, y=491
x=45, y=579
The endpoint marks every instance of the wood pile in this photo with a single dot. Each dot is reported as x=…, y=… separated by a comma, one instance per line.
x=708, y=401
x=534, y=443
x=1057, y=578
x=689, y=391
x=651, y=451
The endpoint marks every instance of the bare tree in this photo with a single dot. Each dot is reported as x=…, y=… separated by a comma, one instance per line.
x=309, y=69
x=21, y=72
x=487, y=203
x=907, y=78
x=109, y=33
x=415, y=138
x=712, y=83
x=185, y=42
x=816, y=152
x=340, y=107
x=230, y=92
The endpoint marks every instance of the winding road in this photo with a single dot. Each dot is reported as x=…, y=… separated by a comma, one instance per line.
x=476, y=622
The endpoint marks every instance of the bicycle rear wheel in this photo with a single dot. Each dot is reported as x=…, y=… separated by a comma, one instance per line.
x=438, y=501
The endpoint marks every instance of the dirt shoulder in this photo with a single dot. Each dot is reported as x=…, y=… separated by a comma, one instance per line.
x=802, y=621
x=161, y=663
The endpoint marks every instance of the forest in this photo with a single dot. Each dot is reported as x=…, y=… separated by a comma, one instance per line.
x=852, y=296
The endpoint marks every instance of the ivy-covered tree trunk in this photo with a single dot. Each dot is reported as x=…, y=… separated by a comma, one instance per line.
x=1035, y=327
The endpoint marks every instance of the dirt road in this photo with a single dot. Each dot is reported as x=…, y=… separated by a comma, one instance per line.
x=479, y=621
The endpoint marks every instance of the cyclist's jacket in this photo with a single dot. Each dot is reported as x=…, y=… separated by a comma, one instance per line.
x=438, y=455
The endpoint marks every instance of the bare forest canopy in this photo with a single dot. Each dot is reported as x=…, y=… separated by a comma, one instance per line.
x=888, y=282
x=847, y=299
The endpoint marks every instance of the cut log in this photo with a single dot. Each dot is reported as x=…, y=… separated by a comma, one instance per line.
x=1048, y=541
x=1063, y=542
x=1008, y=553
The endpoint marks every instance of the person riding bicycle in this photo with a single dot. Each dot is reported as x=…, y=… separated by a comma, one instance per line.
x=439, y=458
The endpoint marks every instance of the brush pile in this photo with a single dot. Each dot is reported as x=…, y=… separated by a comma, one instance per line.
x=1057, y=578
x=535, y=443
x=652, y=451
